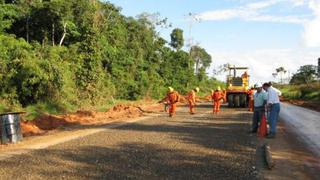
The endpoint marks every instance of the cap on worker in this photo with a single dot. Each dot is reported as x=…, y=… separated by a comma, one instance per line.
x=197, y=89
x=218, y=88
x=258, y=85
x=170, y=89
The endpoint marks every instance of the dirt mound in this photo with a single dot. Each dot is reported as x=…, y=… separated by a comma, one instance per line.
x=85, y=113
x=29, y=129
x=121, y=110
x=51, y=122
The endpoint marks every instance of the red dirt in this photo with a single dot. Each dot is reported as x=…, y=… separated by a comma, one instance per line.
x=47, y=122
x=29, y=129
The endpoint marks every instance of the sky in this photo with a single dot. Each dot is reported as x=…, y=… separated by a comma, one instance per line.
x=260, y=34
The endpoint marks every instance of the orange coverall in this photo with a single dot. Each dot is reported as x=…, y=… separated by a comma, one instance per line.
x=216, y=99
x=172, y=98
x=250, y=93
x=192, y=101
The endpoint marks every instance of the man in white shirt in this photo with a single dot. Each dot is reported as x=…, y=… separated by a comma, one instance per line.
x=260, y=99
x=273, y=105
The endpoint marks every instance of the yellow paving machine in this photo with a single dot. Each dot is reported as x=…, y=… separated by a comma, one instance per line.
x=237, y=87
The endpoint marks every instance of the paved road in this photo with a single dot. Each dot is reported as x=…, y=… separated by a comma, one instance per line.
x=305, y=122
x=201, y=146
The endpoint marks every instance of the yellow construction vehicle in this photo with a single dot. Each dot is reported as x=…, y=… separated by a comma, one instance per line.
x=237, y=87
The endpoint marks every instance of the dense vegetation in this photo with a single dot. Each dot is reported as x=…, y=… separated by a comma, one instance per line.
x=303, y=85
x=309, y=92
x=72, y=53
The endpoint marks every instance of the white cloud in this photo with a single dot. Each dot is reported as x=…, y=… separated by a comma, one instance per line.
x=262, y=63
x=311, y=34
x=299, y=2
x=262, y=4
x=253, y=12
x=276, y=19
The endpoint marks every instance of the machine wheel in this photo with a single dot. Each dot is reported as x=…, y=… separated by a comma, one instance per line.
x=243, y=100
x=230, y=100
x=236, y=100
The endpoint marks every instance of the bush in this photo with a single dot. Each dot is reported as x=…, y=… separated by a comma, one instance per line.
x=302, y=92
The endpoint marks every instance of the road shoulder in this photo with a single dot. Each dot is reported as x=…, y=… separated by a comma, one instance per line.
x=293, y=160
x=57, y=137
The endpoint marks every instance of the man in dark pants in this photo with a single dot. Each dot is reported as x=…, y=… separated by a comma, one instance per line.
x=273, y=105
x=260, y=100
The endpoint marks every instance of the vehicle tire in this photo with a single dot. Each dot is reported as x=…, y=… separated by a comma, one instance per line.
x=236, y=100
x=243, y=100
x=230, y=100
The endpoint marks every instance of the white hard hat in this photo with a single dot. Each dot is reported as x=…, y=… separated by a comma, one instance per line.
x=258, y=85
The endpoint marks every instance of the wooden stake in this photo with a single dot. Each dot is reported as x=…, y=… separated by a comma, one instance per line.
x=268, y=156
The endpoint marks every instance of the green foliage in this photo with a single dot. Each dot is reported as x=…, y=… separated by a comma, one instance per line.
x=7, y=13
x=309, y=92
x=305, y=75
x=63, y=54
x=177, y=40
x=201, y=58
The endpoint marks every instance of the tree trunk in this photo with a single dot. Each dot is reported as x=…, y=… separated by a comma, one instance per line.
x=27, y=29
x=64, y=33
x=197, y=65
x=52, y=35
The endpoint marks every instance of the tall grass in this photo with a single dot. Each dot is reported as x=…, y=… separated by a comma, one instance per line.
x=309, y=92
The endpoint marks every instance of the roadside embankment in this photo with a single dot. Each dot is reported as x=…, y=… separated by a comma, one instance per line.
x=304, y=95
x=49, y=122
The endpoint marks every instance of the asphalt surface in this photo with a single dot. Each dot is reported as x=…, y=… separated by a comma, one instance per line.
x=202, y=146
x=305, y=122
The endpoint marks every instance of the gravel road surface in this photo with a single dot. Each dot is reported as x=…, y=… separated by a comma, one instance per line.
x=202, y=146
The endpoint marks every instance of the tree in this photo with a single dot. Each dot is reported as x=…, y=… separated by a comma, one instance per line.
x=305, y=75
x=75, y=52
x=221, y=69
x=201, y=57
x=281, y=71
x=7, y=14
x=177, y=40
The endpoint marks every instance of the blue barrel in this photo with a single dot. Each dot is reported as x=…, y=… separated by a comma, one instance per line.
x=10, y=127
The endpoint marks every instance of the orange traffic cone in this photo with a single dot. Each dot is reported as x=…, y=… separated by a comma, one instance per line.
x=263, y=127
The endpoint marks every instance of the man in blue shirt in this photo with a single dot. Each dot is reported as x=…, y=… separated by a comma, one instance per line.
x=260, y=100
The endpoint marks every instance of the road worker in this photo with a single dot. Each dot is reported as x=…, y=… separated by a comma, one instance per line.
x=245, y=77
x=260, y=100
x=216, y=96
x=172, y=98
x=250, y=93
x=273, y=107
x=192, y=99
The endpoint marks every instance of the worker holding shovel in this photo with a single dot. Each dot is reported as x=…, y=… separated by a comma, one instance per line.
x=171, y=99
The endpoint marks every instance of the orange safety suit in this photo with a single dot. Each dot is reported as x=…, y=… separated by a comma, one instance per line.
x=216, y=96
x=192, y=101
x=172, y=98
x=250, y=93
